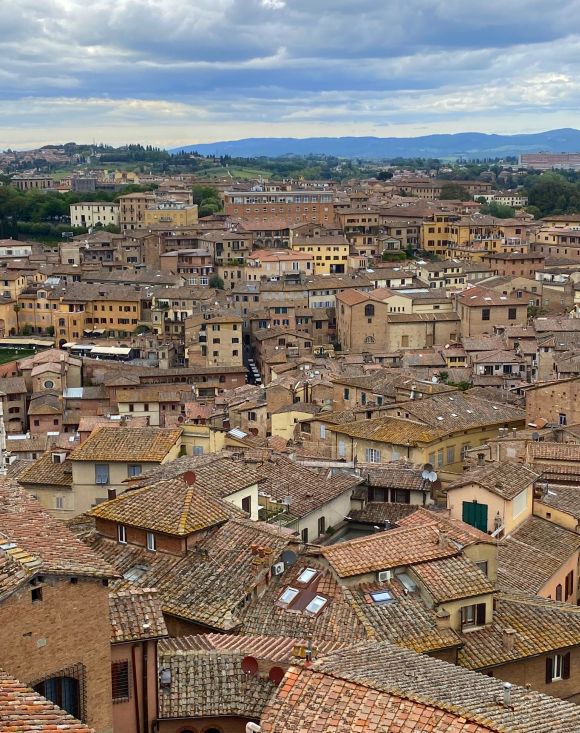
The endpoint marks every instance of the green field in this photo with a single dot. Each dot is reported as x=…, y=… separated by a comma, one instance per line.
x=219, y=171
x=13, y=354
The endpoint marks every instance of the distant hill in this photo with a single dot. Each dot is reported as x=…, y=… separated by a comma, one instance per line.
x=463, y=144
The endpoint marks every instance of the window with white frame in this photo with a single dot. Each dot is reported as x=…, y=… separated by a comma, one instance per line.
x=121, y=534
x=151, y=542
x=373, y=455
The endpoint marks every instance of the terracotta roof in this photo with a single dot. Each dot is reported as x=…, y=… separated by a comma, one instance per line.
x=127, y=444
x=211, y=684
x=394, y=476
x=452, y=578
x=506, y=479
x=541, y=626
x=389, y=430
x=308, y=490
x=312, y=701
x=22, y=710
x=379, y=512
x=171, y=506
x=338, y=621
x=457, y=531
x=390, y=549
x=135, y=615
x=564, y=498
x=474, y=697
x=33, y=542
x=480, y=296
x=554, y=451
x=13, y=385
x=45, y=471
x=533, y=554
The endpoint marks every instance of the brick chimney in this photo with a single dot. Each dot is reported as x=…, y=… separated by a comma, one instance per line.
x=509, y=639
x=443, y=619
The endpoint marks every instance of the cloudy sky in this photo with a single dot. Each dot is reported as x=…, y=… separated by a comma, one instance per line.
x=172, y=72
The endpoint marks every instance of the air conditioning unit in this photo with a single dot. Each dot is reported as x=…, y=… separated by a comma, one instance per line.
x=384, y=575
x=278, y=568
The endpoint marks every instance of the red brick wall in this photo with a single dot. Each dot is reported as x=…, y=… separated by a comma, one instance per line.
x=70, y=625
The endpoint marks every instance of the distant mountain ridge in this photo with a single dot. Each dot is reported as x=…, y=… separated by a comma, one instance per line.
x=463, y=144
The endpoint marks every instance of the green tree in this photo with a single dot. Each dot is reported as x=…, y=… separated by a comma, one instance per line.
x=500, y=211
x=454, y=191
x=216, y=282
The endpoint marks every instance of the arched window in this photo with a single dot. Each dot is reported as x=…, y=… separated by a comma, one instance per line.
x=369, y=310
x=64, y=692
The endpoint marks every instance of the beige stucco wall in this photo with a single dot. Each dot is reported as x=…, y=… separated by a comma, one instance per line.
x=495, y=503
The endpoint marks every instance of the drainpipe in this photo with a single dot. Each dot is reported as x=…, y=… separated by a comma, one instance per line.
x=135, y=690
x=145, y=687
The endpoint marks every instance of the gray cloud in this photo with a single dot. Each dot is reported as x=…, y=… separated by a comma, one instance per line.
x=171, y=71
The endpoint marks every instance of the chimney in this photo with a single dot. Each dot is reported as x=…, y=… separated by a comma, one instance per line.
x=443, y=539
x=443, y=619
x=514, y=432
x=111, y=493
x=481, y=459
x=509, y=638
x=507, y=694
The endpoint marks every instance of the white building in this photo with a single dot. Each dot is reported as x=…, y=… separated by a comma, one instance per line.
x=94, y=213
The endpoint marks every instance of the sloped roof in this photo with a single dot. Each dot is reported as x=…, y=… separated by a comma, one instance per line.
x=135, y=615
x=22, y=710
x=506, y=479
x=127, y=444
x=31, y=542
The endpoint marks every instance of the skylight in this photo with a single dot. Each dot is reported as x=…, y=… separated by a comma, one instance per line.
x=381, y=596
x=136, y=572
x=289, y=595
x=316, y=604
x=306, y=575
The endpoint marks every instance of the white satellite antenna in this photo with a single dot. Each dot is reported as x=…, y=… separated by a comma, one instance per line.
x=428, y=473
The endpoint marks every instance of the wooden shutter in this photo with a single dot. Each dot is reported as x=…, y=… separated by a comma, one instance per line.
x=480, y=614
x=566, y=666
x=549, y=669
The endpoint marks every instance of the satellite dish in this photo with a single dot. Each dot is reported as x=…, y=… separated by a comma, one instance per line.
x=276, y=675
x=189, y=478
x=288, y=558
x=250, y=666
x=432, y=477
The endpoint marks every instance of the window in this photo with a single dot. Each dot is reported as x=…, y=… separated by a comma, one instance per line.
x=563, y=419
x=473, y=615
x=485, y=314
x=48, y=384
x=288, y=596
x=401, y=496
x=440, y=457
x=101, y=473
x=36, y=595
x=346, y=393
x=557, y=667
x=321, y=526
x=322, y=432
x=121, y=534
x=59, y=502
x=134, y=470
x=306, y=575
x=482, y=566
x=512, y=314
x=451, y=454
x=316, y=605
x=151, y=542
x=559, y=592
x=120, y=681
x=252, y=416
x=247, y=504
x=369, y=310
x=404, y=341
x=569, y=585
x=64, y=692
x=304, y=535
x=381, y=596
x=372, y=455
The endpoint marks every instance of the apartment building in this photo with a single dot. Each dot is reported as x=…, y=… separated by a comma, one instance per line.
x=330, y=254
x=278, y=264
x=132, y=208
x=217, y=340
x=94, y=214
x=484, y=311
x=294, y=206
x=169, y=214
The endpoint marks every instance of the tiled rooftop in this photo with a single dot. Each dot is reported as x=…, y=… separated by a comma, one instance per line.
x=33, y=542
x=135, y=615
x=390, y=549
x=22, y=710
x=172, y=507
x=45, y=471
x=507, y=479
x=452, y=578
x=127, y=444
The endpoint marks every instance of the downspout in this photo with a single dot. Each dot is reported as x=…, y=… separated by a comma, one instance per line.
x=145, y=687
x=135, y=690
x=154, y=723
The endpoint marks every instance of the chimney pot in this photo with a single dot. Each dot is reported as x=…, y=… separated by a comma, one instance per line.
x=481, y=459
x=112, y=493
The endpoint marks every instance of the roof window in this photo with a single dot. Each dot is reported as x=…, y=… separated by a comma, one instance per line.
x=316, y=604
x=306, y=575
x=381, y=596
x=289, y=595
